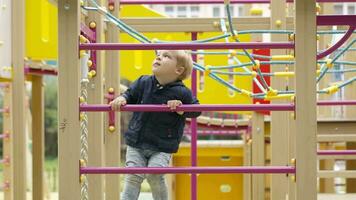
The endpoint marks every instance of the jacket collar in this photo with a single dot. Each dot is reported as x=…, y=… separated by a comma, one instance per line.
x=168, y=85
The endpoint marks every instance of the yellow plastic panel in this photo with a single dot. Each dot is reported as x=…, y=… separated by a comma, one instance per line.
x=41, y=30
x=211, y=186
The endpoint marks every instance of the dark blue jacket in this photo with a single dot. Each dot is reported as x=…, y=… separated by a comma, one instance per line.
x=158, y=131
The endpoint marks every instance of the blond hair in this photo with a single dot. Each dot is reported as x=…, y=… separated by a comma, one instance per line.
x=184, y=59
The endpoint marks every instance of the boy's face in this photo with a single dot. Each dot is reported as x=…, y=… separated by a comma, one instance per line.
x=165, y=64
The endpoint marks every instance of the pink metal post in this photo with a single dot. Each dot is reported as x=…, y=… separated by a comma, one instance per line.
x=193, y=126
x=189, y=170
x=186, y=46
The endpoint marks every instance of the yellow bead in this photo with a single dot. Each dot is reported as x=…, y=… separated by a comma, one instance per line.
x=329, y=63
x=81, y=99
x=90, y=63
x=154, y=40
x=82, y=162
x=317, y=37
x=332, y=89
x=92, y=25
x=83, y=39
x=291, y=37
x=256, y=11
x=272, y=92
x=232, y=53
x=82, y=115
x=82, y=53
x=82, y=178
x=293, y=178
x=257, y=65
x=216, y=24
x=81, y=3
x=318, y=72
x=318, y=8
x=293, y=161
x=278, y=23
x=91, y=74
x=235, y=37
x=111, y=7
x=112, y=128
x=111, y=90
x=207, y=72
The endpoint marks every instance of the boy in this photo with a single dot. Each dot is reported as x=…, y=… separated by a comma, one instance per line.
x=153, y=136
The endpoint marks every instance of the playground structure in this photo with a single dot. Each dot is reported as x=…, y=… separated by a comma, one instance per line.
x=106, y=143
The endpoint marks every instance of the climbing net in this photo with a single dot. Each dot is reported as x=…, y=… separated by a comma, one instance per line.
x=252, y=68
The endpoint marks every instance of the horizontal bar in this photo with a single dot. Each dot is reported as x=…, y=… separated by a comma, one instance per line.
x=333, y=174
x=337, y=103
x=207, y=107
x=340, y=20
x=336, y=152
x=215, y=132
x=337, y=138
x=135, y=2
x=189, y=108
x=189, y=170
x=186, y=46
x=337, y=157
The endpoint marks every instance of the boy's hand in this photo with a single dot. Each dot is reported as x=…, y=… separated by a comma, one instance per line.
x=117, y=103
x=173, y=104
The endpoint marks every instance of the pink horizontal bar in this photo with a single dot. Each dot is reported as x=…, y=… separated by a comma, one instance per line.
x=340, y=20
x=133, y=2
x=186, y=46
x=190, y=108
x=336, y=152
x=214, y=126
x=337, y=103
x=189, y=170
x=214, y=132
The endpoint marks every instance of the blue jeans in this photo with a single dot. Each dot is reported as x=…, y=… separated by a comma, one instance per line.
x=145, y=158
